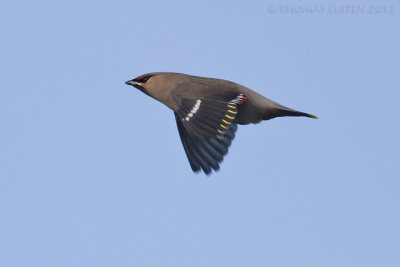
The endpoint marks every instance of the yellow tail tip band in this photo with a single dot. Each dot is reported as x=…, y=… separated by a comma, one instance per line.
x=312, y=116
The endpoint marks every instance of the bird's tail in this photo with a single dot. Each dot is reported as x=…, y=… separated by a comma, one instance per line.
x=281, y=111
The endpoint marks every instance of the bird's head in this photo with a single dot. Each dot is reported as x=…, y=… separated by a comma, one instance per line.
x=158, y=85
x=143, y=82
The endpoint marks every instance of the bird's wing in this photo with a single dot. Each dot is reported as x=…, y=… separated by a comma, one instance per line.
x=206, y=127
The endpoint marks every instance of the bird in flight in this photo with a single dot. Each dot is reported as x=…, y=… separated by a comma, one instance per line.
x=207, y=112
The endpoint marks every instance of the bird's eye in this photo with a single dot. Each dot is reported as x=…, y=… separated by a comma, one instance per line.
x=144, y=79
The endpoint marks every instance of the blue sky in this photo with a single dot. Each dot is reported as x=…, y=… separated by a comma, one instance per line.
x=93, y=172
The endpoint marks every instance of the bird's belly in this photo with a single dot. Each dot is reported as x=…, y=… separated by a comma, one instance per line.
x=248, y=114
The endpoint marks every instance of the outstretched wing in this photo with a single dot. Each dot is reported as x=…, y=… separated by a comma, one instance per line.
x=206, y=127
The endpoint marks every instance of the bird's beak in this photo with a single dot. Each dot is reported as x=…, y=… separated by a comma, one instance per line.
x=132, y=82
x=137, y=85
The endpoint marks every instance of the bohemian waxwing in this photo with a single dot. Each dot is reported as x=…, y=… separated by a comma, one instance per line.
x=207, y=112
